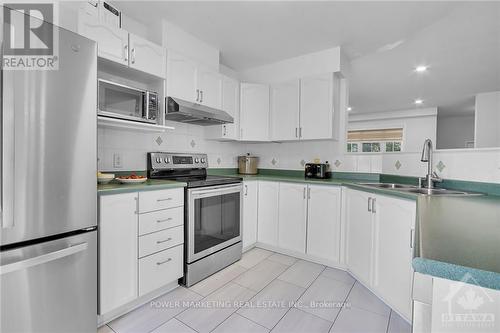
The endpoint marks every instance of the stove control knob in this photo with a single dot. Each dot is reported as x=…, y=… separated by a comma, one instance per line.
x=158, y=160
x=196, y=160
x=202, y=160
x=167, y=160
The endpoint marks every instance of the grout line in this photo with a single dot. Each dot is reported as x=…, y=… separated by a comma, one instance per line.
x=302, y=294
x=388, y=321
x=112, y=330
x=341, y=309
x=187, y=324
x=239, y=314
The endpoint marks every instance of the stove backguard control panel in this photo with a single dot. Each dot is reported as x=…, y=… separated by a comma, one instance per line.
x=161, y=160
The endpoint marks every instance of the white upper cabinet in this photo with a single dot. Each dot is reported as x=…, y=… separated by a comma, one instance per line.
x=181, y=77
x=267, y=230
x=118, y=45
x=231, y=105
x=210, y=87
x=250, y=197
x=285, y=111
x=394, y=225
x=323, y=222
x=292, y=217
x=254, y=112
x=146, y=56
x=112, y=43
x=316, y=107
x=359, y=234
x=193, y=82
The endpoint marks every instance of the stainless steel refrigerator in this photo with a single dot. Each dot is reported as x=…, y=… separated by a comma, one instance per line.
x=48, y=231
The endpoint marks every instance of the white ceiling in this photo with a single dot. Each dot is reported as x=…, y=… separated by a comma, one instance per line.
x=460, y=41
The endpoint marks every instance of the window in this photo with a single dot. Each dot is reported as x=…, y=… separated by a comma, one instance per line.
x=375, y=141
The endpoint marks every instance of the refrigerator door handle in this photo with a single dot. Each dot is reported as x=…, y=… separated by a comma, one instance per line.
x=42, y=259
x=7, y=155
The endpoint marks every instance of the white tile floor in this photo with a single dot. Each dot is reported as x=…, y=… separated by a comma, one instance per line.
x=265, y=292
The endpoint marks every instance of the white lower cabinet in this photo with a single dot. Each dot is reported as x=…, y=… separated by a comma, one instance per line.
x=394, y=225
x=359, y=234
x=160, y=268
x=117, y=250
x=379, y=245
x=141, y=238
x=323, y=222
x=292, y=210
x=268, y=213
x=250, y=198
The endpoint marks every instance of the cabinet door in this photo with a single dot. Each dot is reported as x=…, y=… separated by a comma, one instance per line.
x=250, y=197
x=231, y=104
x=359, y=235
x=181, y=78
x=210, y=86
x=394, y=221
x=292, y=217
x=267, y=231
x=254, y=112
x=112, y=43
x=323, y=222
x=147, y=56
x=316, y=107
x=285, y=111
x=117, y=250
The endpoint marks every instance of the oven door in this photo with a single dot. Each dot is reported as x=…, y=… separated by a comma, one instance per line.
x=214, y=219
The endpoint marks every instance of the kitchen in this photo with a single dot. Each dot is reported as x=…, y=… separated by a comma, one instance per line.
x=337, y=169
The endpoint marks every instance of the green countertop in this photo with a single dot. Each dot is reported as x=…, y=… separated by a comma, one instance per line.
x=114, y=187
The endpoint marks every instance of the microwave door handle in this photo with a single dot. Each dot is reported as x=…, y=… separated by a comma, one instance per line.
x=8, y=107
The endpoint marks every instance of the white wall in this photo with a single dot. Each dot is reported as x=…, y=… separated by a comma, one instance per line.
x=454, y=131
x=417, y=125
x=487, y=120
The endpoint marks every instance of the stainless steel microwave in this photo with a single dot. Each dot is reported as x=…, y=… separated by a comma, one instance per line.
x=124, y=102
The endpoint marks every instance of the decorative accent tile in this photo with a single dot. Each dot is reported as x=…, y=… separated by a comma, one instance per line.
x=159, y=140
x=398, y=165
x=274, y=161
x=440, y=166
x=219, y=161
x=337, y=163
x=193, y=143
x=302, y=162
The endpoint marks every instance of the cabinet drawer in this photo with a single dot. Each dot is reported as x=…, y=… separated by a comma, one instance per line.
x=155, y=200
x=160, y=269
x=160, y=240
x=160, y=220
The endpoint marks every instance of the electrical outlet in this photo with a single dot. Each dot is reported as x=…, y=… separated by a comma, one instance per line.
x=117, y=160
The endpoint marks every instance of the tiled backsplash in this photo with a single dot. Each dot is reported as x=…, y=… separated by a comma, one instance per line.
x=473, y=165
x=132, y=147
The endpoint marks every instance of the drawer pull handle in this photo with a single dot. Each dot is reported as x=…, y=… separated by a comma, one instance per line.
x=163, y=262
x=164, y=220
x=166, y=199
x=163, y=241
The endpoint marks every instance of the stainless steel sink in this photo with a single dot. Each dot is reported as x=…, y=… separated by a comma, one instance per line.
x=418, y=190
x=389, y=185
x=437, y=191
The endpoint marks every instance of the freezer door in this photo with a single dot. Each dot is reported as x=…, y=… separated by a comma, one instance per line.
x=49, y=157
x=51, y=286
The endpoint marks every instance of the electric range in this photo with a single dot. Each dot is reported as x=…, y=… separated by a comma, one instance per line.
x=212, y=212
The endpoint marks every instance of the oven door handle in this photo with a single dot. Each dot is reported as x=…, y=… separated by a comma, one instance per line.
x=220, y=190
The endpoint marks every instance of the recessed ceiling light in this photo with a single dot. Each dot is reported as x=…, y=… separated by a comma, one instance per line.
x=421, y=68
x=349, y=108
x=419, y=101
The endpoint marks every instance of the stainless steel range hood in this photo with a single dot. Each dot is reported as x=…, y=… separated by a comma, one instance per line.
x=188, y=112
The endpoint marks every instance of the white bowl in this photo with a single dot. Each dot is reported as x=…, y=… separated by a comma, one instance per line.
x=131, y=181
x=105, y=178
